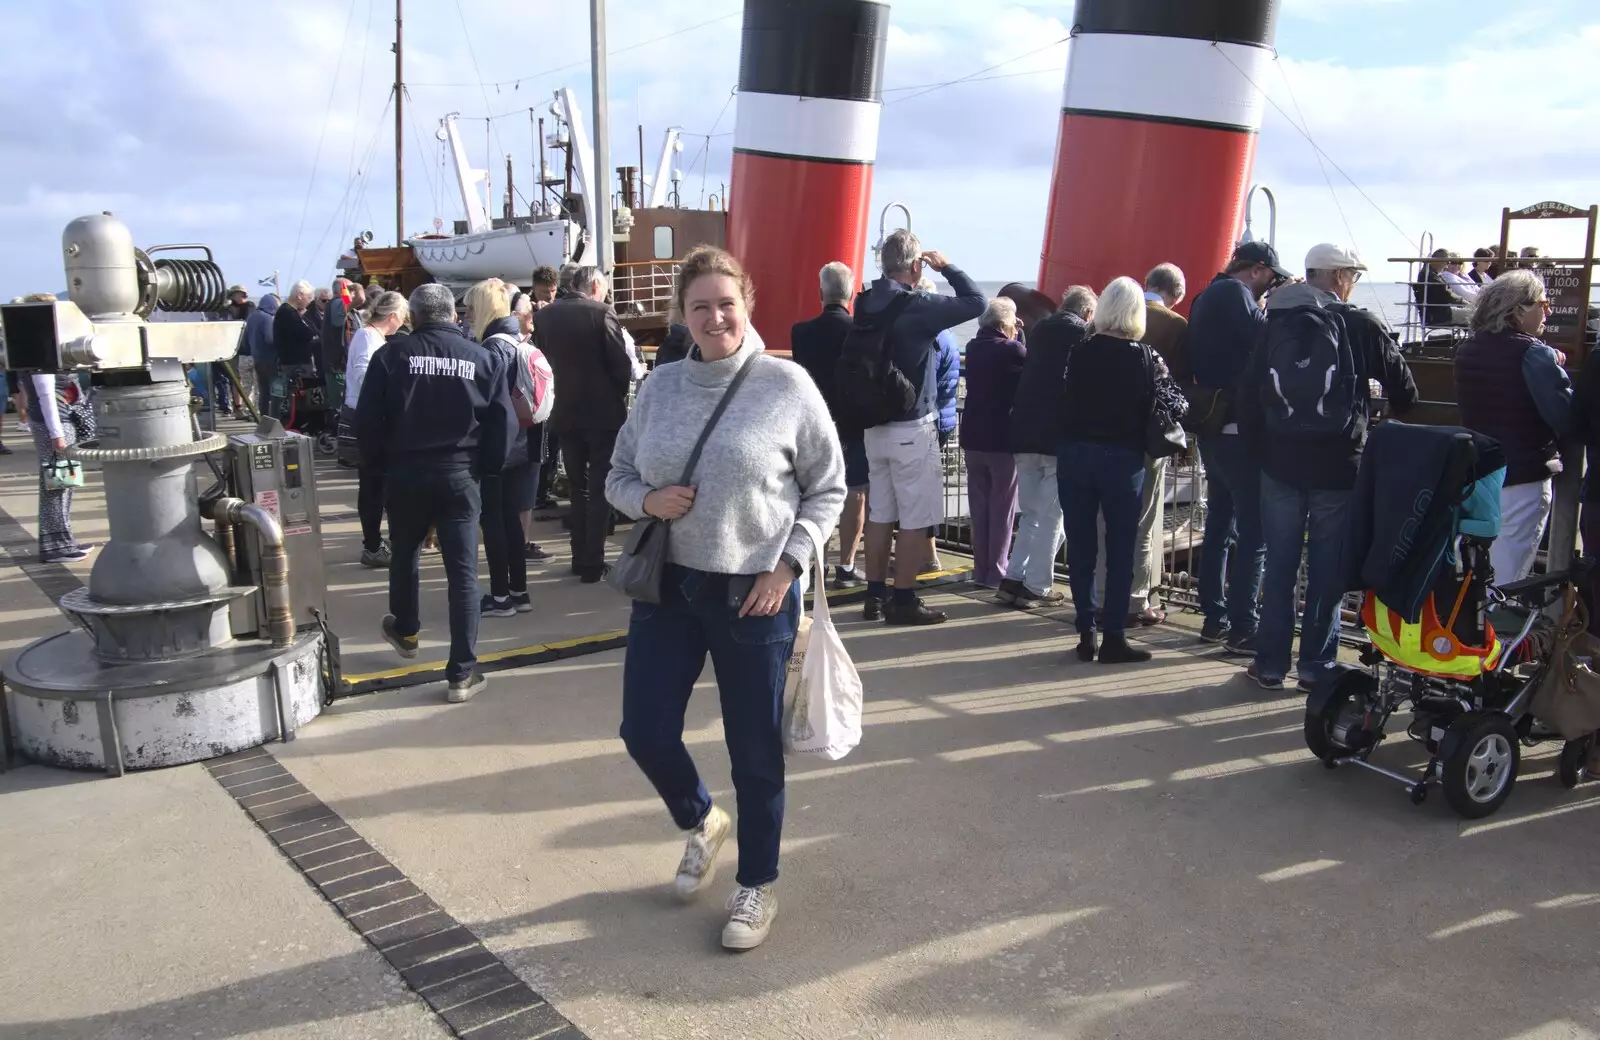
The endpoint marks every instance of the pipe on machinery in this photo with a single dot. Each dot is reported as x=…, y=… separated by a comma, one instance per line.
x=1157, y=138
x=229, y=512
x=805, y=140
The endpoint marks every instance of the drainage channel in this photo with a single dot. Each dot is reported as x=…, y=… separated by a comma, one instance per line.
x=465, y=983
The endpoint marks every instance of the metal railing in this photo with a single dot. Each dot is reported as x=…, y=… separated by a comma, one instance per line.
x=1184, y=490
x=643, y=288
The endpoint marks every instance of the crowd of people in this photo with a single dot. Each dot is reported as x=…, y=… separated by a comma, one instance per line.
x=452, y=413
x=1277, y=378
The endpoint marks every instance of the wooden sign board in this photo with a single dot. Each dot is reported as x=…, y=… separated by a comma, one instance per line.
x=1566, y=283
x=1568, y=289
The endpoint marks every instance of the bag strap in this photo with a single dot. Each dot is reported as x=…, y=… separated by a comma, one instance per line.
x=819, y=572
x=716, y=416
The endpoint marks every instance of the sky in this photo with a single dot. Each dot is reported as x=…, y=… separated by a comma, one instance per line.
x=265, y=132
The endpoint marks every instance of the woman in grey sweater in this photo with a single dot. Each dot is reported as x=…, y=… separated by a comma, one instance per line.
x=736, y=551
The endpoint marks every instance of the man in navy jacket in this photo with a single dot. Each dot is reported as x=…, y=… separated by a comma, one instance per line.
x=1225, y=322
x=435, y=415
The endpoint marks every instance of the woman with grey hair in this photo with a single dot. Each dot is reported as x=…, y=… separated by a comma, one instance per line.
x=993, y=369
x=1510, y=386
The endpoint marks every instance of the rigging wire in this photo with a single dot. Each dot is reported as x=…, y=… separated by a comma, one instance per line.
x=359, y=181
x=516, y=83
x=974, y=75
x=1307, y=135
x=974, y=79
x=705, y=149
x=427, y=168
x=1371, y=286
x=361, y=89
x=493, y=131
x=333, y=91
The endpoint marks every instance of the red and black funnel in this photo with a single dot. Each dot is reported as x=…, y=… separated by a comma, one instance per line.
x=1157, y=139
x=805, y=139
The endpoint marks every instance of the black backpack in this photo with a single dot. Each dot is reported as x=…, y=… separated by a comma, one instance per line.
x=869, y=389
x=1311, y=384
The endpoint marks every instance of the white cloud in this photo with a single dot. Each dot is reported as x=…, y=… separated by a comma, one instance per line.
x=185, y=125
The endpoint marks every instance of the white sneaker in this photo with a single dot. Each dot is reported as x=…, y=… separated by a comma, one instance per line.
x=699, y=863
x=753, y=911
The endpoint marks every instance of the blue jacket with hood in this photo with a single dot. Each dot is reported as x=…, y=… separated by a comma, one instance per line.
x=949, y=381
x=258, y=332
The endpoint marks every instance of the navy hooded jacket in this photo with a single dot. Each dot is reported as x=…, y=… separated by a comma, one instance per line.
x=258, y=342
x=435, y=400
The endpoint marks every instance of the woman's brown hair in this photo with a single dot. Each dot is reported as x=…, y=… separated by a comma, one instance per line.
x=705, y=260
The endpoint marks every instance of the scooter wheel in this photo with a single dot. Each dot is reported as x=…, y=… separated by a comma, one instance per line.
x=327, y=444
x=1419, y=794
x=1479, y=760
x=1569, y=767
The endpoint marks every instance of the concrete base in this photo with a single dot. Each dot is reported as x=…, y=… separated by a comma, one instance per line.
x=69, y=709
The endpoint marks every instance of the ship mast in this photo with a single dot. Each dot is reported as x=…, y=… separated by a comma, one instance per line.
x=399, y=142
x=602, y=139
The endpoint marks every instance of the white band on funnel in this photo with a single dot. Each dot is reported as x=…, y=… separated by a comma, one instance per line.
x=1166, y=78
x=807, y=128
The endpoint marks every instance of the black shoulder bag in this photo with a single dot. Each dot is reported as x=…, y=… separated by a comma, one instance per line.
x=637, y=572
x=1163, y=436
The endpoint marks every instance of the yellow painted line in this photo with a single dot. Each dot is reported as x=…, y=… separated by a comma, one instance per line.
x=498, y=655
x=564, y=644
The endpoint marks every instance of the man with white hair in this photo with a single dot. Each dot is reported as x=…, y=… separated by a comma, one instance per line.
x=588, y=354
x=295, y=335
x=815, y=345
x=905, y=468
x=1304, y=409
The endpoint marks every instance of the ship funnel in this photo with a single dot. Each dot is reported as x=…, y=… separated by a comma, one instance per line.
x=805, y=139
x=1157, y=139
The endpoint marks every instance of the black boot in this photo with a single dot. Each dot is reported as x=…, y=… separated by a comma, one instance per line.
x=1086, y=647
x=1115, y=650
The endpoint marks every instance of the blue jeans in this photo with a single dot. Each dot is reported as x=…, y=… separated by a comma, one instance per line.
x=1294, y=520
x=667, y=647
x=1095, y=479
x=449, y=501
x=1233, y=535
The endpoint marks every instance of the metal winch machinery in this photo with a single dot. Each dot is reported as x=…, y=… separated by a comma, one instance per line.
x=188, y=644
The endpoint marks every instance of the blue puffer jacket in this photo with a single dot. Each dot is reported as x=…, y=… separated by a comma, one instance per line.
x=949, y=381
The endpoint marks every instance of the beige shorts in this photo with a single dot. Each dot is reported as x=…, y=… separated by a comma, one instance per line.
x=905, y=474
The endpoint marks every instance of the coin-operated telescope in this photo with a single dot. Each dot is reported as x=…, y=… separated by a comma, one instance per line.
x=113, y=288
x=189, y=644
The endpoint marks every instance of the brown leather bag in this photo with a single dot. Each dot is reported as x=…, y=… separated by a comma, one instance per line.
x=1568, y=697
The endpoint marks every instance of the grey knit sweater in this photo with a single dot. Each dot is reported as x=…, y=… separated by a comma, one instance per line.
x=774, y=458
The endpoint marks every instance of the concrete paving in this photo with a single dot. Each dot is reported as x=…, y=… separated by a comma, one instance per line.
x=1024, y=846
x=150, y=907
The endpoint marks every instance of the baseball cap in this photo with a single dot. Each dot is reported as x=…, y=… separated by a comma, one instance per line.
x=1328, y=256
x=1261, y=253
x=236, y=289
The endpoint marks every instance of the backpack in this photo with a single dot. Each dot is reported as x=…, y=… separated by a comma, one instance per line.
x=869, y=389
x=1311, y=385
x=533, y=395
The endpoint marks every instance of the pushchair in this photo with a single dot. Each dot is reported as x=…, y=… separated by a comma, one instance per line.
x=304, y=401
x=1471, y=662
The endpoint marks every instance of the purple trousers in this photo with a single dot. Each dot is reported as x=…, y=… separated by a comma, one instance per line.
x=992, y=501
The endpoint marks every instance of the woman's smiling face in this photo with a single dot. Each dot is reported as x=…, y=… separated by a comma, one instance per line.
x=716, y=315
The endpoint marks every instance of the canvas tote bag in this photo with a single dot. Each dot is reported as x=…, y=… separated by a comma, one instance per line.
x=823, y=697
